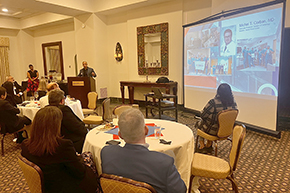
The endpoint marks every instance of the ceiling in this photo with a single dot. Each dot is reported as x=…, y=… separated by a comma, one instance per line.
x=21, y=9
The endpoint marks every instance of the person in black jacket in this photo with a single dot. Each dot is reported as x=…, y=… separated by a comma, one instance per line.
x=71, y=126
x=17, y=90
x=9, y=118
x=63, y=170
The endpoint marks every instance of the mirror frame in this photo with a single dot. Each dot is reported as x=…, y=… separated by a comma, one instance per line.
x=150, y=29
x=59, y=44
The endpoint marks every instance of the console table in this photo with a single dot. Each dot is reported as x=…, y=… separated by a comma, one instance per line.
x=132, y=84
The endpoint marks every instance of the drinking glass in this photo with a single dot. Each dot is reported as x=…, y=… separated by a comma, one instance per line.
x=157, y=131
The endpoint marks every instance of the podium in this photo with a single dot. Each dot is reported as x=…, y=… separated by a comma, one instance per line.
x=79, y=87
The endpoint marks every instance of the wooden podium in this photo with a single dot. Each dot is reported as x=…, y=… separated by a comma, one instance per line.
x=79, y=87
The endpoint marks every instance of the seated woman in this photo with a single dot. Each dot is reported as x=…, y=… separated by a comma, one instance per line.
x=42, y=90
x=223, y=100
x=62, y=168
x=33, y=81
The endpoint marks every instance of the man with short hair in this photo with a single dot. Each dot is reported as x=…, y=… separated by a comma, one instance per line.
x=9, y=119
x=87, y=71
x=135, y=161
x=71, y=126
x=43, y=101
x=229, y=47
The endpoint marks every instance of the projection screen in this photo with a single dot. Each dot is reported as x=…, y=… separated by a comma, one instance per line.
x=242, y=50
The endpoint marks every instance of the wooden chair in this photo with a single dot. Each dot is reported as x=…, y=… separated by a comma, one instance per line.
x=98, y=120
x=4, y=133
x=33, y=175
x=213, y=167
x=118, y=184
x=161, y=102
x=92, y=103
x=226, y=121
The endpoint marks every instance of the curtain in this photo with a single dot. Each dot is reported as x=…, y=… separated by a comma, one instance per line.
x=4, y=61
x=54, y=60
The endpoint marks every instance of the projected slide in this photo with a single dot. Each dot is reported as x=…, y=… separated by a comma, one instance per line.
x=243, y=51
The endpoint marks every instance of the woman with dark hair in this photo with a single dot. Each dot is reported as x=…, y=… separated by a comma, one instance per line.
x=223, y=100
x=10, y=93
x=33, y=81
x=62, y=168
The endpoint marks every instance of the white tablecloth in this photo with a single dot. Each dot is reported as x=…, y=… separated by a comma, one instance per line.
x=31, y=111
x=181, y=148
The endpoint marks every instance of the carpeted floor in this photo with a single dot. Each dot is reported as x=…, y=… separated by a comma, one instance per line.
x=264, y=165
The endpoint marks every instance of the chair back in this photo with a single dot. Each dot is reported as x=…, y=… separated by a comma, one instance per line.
x=106, y=109
x=92, y=100
x=118, y=110
x=32, y=174
x=157, y=92
x=239, y=135
x=118, y=184
x=226, y=121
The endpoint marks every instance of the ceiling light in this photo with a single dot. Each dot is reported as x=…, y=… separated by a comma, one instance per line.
x=4, y=10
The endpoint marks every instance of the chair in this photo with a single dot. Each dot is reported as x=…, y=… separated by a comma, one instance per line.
x=4, y=133
x=32, y=174
x=118, y=110
x=92, y=103
x=162, y=105
x=226, y=120
x=118, y=184
x=213, y=167
x=97, y=120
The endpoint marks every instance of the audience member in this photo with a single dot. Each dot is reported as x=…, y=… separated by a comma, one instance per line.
x=223, y=100
x=10, y=94
x=135, y=161
x=71, y=126
x=42, y=88
x=9, y=118
x=62, y=168
x=43, y=101
x=17, y=89
x=33, y=81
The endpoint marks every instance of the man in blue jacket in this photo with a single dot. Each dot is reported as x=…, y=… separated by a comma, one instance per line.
x=136, y=162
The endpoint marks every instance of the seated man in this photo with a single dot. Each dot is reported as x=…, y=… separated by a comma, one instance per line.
x=16, y=89
x=43, y=101
x=71, y=126
x=9, y=117
x=135, y=161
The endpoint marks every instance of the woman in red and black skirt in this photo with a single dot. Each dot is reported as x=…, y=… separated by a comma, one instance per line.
x=33, y=81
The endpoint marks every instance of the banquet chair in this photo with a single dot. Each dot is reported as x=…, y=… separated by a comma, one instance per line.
x=226, y=120
x=96, y=119
x=160, y=102
x=118, y=184
x=4, y=133
x=92, y=103
x=33, y=175
x=213, y=167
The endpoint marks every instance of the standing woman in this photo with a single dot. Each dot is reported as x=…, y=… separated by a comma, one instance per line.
x=63, y=170
x=33, y=81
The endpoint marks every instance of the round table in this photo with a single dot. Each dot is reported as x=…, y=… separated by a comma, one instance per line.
x=181, y=148
x=31, y=111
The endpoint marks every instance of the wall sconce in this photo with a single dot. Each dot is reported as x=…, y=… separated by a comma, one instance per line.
x=118, y=54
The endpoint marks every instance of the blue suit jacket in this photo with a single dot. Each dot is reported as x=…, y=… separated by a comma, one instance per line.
x=138, y=163
x=89, y=72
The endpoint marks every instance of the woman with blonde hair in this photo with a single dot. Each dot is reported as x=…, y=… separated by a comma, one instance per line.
x=42, y=88
x=62, y=168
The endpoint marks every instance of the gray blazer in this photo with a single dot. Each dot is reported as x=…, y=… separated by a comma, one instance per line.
x=89, y=72
x=138, y=163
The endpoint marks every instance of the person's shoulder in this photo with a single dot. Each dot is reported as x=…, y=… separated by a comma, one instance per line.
x=166, y=159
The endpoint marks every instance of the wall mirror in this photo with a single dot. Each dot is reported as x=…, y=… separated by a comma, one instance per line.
x=152, y=43
x=53, y=59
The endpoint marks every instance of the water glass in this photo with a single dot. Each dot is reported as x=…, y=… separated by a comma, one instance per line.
x=157, y=132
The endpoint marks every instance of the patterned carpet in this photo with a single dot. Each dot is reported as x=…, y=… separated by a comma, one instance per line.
x=263, y=166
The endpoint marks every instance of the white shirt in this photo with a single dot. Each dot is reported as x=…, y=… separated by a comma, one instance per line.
x=43, y=101
x=228, y=50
